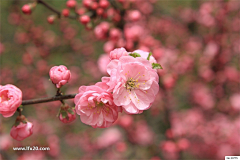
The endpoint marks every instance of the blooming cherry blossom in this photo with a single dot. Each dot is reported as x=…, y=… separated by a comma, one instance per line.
x=95, y=106
x=133, y=82
x=10, y=99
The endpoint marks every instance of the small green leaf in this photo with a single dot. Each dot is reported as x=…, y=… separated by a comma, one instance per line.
x=149, y=55
x=58, y=114
x=135, y=55
x=24, y=122
x=70, y=111
x=64, y=114
x=156, y=66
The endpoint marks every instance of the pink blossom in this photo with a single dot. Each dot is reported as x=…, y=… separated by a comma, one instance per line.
x=95, y=106
x=235, y=101
x=117, y=53
x=103, y=61
x=10, y=99
x=133, y=82
x=22, y=131
x=59, y=75
x=71, y=117
x=109, y=137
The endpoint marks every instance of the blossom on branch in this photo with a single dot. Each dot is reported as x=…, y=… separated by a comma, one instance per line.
x=22, y=131
x=133, y=82
x=10, y=99
x=95, y=106
x=59, y=75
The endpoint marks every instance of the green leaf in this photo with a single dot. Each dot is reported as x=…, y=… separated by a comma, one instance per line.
x=70, y=111
x=156, y=66
x=24, y=122
x=135, y=55
x=64, y=114
x=149, y=55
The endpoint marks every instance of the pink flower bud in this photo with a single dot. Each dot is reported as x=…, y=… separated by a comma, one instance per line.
x=59, y=75
x=117, y=53
x=100, y=11
x=10, y=99
x=70, y=117
x=134, y=15
x=87, y=3
x=71, y=3
x=81, y=11
x=94, y=6
x=51, y=19
x=103, y=4
x=108, y=46
x=22, y=131
x=115, y=33
x=26, y=9
x=65, y=12
x=84, y=19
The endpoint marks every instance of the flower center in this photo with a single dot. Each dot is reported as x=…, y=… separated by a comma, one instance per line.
x=132, y=84
x=4, y=97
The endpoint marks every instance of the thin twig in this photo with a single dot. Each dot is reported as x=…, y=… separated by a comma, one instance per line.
x=48, y=99
x=54, y=10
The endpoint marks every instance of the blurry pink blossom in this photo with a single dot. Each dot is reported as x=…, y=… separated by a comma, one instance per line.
x=28, y=155
x=109, y=137
x=59, y=75
x=134, y=15
x=103, y=61
x=6, y=142
x=142, y=134
x=108, y=47
x=235, y=101
x=22, y=131
x=95, y=106
x=10, y=99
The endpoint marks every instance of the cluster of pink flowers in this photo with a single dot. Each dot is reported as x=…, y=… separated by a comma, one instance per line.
x=132, y=86
x=10, y=100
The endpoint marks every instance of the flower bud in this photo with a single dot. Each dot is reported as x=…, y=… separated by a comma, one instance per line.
x=59, y=75
x=26, y=9
x=87, y=3
x=84, y=19
x=71, y=3
x=103, y=4
x=65, y=12
x=10, y=99
x=22, y=131
x=67, y=114
x=134, y=15
x=51, y=19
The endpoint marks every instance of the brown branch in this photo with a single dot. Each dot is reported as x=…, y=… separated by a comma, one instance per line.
x=48, y=99
x=54, y=10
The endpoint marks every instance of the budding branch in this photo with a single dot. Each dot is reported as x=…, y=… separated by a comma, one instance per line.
x=54, y=10
x=48, y=99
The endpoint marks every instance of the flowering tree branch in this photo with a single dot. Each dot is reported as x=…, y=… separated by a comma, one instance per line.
x=54, y=10
x=48, y=99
